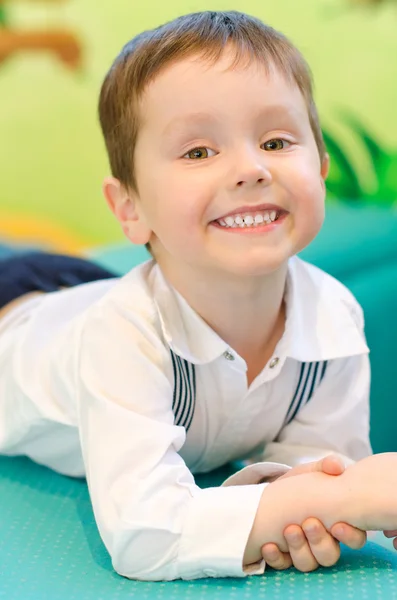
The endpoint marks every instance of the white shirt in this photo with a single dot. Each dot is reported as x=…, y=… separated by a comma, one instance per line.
x=104, y=379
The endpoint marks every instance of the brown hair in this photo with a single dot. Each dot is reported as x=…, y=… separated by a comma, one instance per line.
x=206, y=34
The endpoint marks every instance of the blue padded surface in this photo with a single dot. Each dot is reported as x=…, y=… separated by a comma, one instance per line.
x=50, y=549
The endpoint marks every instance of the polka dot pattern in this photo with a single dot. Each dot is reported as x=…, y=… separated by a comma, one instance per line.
x=50, y=549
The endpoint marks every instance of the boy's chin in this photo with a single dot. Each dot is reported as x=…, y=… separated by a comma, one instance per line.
x=256, y=269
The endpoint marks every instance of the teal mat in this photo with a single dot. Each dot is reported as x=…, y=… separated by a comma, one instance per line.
x=50, y=549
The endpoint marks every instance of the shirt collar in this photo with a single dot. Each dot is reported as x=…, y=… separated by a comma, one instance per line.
x=187, y=334
x=323, y=321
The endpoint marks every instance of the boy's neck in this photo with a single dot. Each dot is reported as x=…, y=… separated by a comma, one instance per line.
x=248, y=314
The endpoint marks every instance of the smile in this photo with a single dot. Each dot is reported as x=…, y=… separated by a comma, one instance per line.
x=244, y=220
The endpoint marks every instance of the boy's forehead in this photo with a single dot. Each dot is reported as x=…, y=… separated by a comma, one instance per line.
x=189, y=86
x=197, y=69
x=207, y=66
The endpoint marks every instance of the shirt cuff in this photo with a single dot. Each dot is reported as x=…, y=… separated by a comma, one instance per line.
x=257, y=473
x=216, y=531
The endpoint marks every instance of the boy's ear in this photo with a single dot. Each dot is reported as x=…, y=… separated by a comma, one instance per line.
x=125, y=206
x=325, y=166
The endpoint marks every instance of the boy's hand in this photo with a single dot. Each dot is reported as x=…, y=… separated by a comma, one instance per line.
x=312, y=545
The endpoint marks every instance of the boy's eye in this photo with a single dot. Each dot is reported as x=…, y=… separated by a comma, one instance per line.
x=199, y=153
x=276, y=144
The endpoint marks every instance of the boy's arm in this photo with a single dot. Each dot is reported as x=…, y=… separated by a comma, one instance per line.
x=156, y=523
x=336, y=418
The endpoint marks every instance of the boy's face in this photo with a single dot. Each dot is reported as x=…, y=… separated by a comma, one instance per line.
x=228, y=172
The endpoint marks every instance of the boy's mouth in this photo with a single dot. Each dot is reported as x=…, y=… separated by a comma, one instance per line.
x=250, y=219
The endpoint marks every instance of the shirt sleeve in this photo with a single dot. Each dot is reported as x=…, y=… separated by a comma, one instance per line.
x=156, y=523
x=335, y=420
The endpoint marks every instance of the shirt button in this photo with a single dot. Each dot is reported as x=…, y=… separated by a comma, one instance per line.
x=228, y=355
x=273, y=362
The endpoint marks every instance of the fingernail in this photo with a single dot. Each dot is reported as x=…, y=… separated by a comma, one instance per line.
x=311, y=532
x=309, y=528
x=293, y=537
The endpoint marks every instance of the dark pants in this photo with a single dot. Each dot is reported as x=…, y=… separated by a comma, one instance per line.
x=38, y=271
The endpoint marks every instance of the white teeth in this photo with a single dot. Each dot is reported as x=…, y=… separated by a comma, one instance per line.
x=248, y=220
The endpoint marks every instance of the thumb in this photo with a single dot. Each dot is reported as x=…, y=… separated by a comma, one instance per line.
x=331, y=465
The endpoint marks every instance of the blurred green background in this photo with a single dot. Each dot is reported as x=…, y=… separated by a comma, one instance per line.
x=51, y=152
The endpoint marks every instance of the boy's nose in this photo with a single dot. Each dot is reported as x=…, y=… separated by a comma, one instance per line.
x=251, y=171
x=252, y=180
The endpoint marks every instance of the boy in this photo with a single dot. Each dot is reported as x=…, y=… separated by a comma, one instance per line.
x=225, y=346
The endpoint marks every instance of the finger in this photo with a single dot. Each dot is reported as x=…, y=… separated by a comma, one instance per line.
x=331, y=465
x=299, y=549
x=390, y=533
x=350, y=536
x=323, y=546
x=275, y=558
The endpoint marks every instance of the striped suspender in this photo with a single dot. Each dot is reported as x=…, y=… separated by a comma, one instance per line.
x=184, y=399
x=310, y=376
